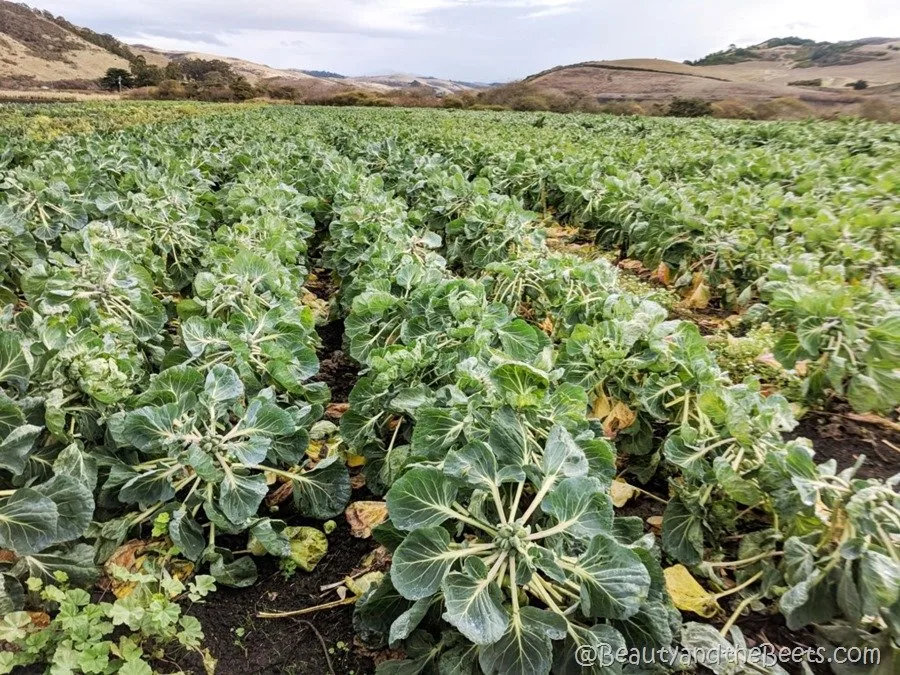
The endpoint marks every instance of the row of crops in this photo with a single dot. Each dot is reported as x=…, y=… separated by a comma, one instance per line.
x=158, y=361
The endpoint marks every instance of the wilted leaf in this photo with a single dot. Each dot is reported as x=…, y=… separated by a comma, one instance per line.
x=620, y=417
x=620, y=492
x=699, y=295
x=363, y=516
x=663, y=274
x=687, y=594
x=308, y=546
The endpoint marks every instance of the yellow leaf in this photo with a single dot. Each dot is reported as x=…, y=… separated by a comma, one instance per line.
x=664, y=274
x=355, y=460
x=655, y=522
x=620, y=417
x=361, y=584
x=315, y=450
x=363, y=516
x=700, y=295
x=308, y=546
x=620, y=492
x=688, y=595
x=602, y=405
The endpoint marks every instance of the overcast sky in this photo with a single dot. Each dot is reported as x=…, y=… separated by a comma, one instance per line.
x=475, y=40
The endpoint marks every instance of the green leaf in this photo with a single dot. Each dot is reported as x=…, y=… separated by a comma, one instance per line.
x=508, y=438
x=15, y=448
x=810, y=601
x=603, y=640
x=649, y=628
x=264, y=417
x=879, y=582
x=682, y=533
x=196, y=334
x=408, y=621
x=788, y=350
x=291, y=374
x=373, y=615
x=12, y=595
x=324, y=491
x=231, y=571
x=519, y=340
x=11, y=416
x=613, y=579
x=28, y=521
x=521, y=385
x=152, y=427
x=436, y=429
x=270, y=535
x=187, y=534
x=691, y=459
x=562, y=455
x=74, y=462
x=74, y=504
x=15, y=362
x=422, y=561
x=76, y=561
x=474, y=604
x=422, y=497
x=526, y=646
x=240, y=496
x=582, y=505
x=474, y=464
x=223, y=384
x=148, y=487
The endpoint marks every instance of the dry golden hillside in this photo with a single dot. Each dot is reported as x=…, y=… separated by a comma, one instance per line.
x=817, y=74
x=34, y=49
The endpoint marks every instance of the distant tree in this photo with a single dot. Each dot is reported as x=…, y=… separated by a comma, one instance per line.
x=859, y=85
x=215, y=79
x=689, y=107
x=196, y=70
x=241, y=89
x=116, y=77
x=145, y=75
x=173, y=71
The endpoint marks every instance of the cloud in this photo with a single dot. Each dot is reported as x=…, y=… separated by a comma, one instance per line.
x=473, y=40
x=364, y=17
x=550, y=11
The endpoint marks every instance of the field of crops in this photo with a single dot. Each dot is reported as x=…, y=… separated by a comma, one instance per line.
x=295, y=389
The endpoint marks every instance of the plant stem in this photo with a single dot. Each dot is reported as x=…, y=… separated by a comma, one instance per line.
x=545, y=488
x=737, y=612
x=737, y=589
x=747, y=561
x=308, y=610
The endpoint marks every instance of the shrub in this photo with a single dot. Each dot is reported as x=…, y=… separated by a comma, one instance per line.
x=784, y=108
x=878, y=110
x=731, y=109
x=356, y=98
x=622, y=108
x=858, y=85
x=689, y=107
x=806, y=83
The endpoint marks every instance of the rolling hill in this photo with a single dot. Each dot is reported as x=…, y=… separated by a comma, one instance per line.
x=39, y=50
x=815, y=72
x=35, y=50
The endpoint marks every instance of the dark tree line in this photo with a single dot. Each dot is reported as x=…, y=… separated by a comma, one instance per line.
x=203, y=79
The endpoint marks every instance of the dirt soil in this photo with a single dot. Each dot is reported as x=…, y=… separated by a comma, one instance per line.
x=837, y=436
x=246, y=645
x=336, y=368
